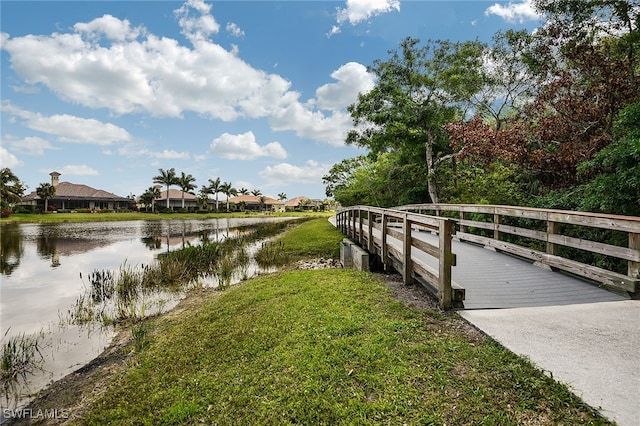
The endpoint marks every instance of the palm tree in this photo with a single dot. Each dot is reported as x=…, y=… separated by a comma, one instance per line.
x=243, y=191
x=11, y=189
x=263, y=202
x=185, y=182
x=167, y=178
x=228, y=190
x=282, y=196
x=149, y=197
x=256, y=192
x=215, y=188
x=203, y=197
x=46, y=191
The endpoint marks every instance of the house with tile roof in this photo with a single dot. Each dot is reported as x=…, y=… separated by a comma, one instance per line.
x=255, y=203
x=73, y=196
x=303, y=203
x=175, y=199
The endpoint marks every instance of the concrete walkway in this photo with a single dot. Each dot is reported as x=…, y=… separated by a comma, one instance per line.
x=594, y=348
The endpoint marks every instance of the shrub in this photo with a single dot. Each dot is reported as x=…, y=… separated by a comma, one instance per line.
x=5, y=213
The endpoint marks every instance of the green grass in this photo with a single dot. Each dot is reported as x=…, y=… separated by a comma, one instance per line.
x=107, y=217
x=312, y=239
x=326, y=347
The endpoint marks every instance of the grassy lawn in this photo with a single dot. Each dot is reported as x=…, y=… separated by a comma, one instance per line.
x=105, y=217
x=327, y=347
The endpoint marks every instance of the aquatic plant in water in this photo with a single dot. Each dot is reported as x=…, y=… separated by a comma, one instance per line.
x=20, y=357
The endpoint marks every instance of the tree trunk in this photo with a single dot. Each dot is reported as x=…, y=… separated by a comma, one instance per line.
x=167, y=197
x=431, y=184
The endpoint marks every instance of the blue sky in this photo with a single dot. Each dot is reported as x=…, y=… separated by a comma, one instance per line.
x=253, y=92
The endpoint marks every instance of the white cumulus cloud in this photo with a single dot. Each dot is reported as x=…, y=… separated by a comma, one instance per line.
x=69, y=128
x=245, y=147
x=7, y=159
x=352, y=79
x=78, y=170
x=282, y=173
x=514, y=12
x=32, y=145
x=357, y=11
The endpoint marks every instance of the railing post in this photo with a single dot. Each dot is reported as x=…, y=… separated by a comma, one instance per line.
x=445, y=262
x=497, y=220
x=552, y=228
x=406, y=251
x=385, y=250
x=360, y=227
x=370, y=245
x=353, y=224
x=463, y=228
x=634, y=267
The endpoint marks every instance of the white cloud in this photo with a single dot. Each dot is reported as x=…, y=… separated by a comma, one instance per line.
x=7, y=159
x=357, y=11
x=133, y=71
x=81, y=170
x=196, y=28
x=245, y=147
x=69, y=128
x=353, y=79
x=110, y=27
x=234, y=29
x=167, y=154
x=170, y=154
x=361, y=10
x=514, y=12
x=32, y=145
x=283, y=173
x=306, y=123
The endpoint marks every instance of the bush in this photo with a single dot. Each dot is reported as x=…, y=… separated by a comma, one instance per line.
x=5, y=213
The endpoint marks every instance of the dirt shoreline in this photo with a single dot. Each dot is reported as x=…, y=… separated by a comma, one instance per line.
x=66, y=401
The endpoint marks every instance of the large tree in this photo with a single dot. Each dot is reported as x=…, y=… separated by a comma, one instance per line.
x=167, y=178
x=186, y=184
x=215, y=187
x=419, y=89
x=228, y=190
x=586, y=62
x=11, y=189
x=46, y=191
x=149, y=197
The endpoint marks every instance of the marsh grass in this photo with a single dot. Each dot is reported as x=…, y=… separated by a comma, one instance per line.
x=327, y=347
x=21, y=357
x=135, y=291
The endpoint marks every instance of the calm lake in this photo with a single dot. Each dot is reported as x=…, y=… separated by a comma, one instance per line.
x=41, y=267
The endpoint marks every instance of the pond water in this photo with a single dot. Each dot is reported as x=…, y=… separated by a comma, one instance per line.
x=41, y=281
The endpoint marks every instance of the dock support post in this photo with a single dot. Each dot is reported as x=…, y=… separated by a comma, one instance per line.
x=445, y=263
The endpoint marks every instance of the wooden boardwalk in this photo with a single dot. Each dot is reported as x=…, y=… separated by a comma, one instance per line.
x=469, y=261
x=496, y=280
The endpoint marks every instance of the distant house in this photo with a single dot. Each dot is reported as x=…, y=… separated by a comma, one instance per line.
x=256, y=203
x=304, y=203
x=175, y=200
x=72, y=196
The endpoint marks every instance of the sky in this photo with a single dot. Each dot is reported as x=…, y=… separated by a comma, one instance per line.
x=252, y=92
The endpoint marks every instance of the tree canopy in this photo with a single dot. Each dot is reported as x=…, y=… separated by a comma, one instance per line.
x=526, y=119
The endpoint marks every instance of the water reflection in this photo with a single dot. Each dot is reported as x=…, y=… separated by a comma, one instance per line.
x=42, y=263
x=11, y=249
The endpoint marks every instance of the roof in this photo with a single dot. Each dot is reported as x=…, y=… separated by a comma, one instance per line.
x=176, y=194
x=295, y=202
x=253, y=199
x=70, y=190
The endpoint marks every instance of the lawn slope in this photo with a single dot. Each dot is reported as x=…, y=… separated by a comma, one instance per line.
x=326, y=347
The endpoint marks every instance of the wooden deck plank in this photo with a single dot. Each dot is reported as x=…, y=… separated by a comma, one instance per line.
x=496, y=280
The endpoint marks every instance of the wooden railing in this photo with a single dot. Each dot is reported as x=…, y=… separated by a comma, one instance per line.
x=550, y=237
x=388, y=233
